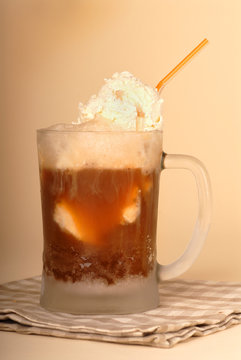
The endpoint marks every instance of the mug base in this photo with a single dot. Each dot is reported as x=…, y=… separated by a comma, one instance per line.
x=133, y=295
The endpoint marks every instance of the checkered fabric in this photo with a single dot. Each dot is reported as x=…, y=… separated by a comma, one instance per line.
x=187, y=309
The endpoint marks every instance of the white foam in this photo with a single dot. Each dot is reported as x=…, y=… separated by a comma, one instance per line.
x=67, y=146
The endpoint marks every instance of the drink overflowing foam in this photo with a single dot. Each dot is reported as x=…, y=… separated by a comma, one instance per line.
x=118, y=128
x=105, y=150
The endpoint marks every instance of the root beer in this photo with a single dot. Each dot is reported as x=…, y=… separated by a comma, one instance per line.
x=99, y=223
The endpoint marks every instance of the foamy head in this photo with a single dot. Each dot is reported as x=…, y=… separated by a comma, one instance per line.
x=67, y=146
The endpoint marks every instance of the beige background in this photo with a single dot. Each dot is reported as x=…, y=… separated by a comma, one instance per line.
x=56, y=53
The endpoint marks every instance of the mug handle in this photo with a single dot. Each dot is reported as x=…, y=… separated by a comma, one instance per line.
x=166, y=272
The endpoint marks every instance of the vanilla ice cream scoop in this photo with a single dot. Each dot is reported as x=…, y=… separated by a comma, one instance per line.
x=126, y=103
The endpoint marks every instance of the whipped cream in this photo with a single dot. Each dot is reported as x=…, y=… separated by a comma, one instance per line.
x=126, y=103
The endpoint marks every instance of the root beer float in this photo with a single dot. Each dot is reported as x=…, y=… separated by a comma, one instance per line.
x=99, y=188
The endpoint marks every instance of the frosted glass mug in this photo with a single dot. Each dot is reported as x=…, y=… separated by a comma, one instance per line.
x=99, y=193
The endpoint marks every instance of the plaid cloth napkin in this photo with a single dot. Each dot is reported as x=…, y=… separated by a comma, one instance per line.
x=187, y=309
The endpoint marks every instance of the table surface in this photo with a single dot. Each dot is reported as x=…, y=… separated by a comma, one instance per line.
x=222, y=345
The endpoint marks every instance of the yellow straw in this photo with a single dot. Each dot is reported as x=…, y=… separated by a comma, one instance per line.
x=180, y=65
